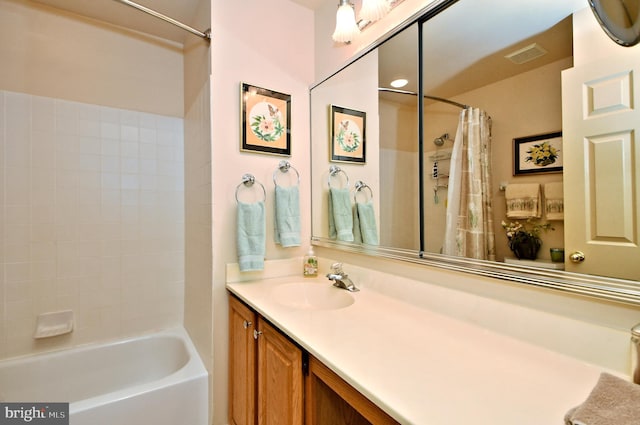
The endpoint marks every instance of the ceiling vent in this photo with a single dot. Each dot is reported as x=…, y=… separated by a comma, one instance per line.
x=526, y=54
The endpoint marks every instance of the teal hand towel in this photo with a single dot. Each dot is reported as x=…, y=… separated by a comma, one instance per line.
x=251, y=229
x=357, y=234
x=287, y=212
x=340, y=215
x=366, y=223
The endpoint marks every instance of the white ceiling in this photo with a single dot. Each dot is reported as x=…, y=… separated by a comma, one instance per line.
x=463, y=52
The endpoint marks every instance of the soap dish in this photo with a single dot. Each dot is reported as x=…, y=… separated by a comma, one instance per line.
x=54, y=324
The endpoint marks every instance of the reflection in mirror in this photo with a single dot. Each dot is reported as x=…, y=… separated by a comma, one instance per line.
x=510, y=64
x=516, y=81
x=620, y=19
x=391, y=148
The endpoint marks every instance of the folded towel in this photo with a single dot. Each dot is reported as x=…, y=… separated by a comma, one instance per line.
x=612, y=401
x=251, y=236
x=364, y=224
x=554, y=201
x=523, y=200
x=287, y=212
x=340, y=215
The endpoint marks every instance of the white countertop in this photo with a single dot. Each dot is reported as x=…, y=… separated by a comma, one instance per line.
x=426, y=368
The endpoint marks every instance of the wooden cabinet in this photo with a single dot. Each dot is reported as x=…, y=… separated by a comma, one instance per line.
x=280, y=378
x=242, y=364
x=332, y=401
x=272, y=381
x=265, y=371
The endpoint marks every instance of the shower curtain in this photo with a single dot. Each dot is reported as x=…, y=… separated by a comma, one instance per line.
x=469, y=215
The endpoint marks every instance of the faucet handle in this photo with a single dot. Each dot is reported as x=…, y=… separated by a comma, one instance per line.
x=337, y=268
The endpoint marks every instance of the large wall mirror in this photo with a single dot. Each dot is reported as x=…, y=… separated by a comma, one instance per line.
x=497, y=78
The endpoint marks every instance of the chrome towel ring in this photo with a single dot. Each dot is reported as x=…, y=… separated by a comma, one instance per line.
x=248, y=181
x=359, y=187
x=334, y=170
x=283, y=168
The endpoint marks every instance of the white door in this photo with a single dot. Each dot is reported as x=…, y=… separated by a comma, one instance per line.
x=601, y=127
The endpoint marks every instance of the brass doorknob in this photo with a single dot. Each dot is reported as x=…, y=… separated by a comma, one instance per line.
x=577, y=257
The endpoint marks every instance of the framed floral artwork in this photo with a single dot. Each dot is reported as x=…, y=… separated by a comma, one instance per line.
x=348, y=130
x=541, y=153
x=266, y=121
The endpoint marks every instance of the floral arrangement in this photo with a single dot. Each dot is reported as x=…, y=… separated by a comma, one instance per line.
x=524, y=238
x=542, y=154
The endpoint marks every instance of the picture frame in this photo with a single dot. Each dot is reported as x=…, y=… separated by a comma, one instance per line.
x=541, y=153
x=348, y=135
x=265, y=121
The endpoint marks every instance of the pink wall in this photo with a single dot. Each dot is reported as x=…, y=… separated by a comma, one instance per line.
x=270, y=45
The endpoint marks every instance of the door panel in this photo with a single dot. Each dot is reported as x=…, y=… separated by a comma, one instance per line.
x=601, y=121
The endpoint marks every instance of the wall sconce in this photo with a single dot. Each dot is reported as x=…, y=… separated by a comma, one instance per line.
x=347, y=27
x=372, y=10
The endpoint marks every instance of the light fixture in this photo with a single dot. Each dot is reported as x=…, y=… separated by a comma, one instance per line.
x=346, y=26
x=400, y=82
x=372, y=10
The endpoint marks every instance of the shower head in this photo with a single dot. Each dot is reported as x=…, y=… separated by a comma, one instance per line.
x=439, y=141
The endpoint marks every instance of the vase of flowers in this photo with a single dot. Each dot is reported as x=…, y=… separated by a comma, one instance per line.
x=524, y=238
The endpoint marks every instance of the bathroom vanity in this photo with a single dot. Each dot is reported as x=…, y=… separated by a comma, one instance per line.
x=410, y=362
x=275, y=380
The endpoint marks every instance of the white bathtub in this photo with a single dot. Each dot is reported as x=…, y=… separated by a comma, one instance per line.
x=154, y=379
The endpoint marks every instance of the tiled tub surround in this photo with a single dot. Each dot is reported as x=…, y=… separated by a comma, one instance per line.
x=423, y=366
x=92, y=213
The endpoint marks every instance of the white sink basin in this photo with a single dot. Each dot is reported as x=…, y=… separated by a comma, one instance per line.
x=312, y=296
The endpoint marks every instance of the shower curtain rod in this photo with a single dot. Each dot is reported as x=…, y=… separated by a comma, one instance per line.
x=206, y=35
x=439, y=99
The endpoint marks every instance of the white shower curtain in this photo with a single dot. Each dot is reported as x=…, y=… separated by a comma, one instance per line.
x=469, y=217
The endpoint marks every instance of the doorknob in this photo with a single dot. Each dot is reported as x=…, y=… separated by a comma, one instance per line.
x=577, y=257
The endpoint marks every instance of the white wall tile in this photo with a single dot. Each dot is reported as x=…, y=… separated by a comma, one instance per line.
x=80, y=194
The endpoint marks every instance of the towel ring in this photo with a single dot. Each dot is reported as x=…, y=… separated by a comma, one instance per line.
x=283, y=168
x=333, y=171
x=360, y=186
x=248, y=180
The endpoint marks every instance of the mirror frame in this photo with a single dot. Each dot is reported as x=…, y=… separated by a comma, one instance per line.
x=623, y=36
x=597, y=287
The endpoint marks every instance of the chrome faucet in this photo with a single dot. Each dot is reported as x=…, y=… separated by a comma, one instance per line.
x=340, y=278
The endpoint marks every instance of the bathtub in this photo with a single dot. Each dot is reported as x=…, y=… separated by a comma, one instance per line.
x=154, y=379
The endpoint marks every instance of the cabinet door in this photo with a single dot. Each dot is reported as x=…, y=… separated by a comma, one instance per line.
x=332, y=401
x=242, y=364
x=280, y=378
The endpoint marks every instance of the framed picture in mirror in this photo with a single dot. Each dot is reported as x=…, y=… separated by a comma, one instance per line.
x=266, y=121
x=541, y=153
x=348, y=130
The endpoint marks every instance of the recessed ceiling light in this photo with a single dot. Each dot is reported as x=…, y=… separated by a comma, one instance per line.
x=400, y=82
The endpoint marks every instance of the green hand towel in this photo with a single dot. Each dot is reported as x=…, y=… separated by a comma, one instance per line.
x=287, y=212
x=340, y=215
x=365, y=223
x=251, y=229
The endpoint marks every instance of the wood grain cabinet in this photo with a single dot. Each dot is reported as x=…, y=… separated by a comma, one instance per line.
x=266, y=381
x=272, y=381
